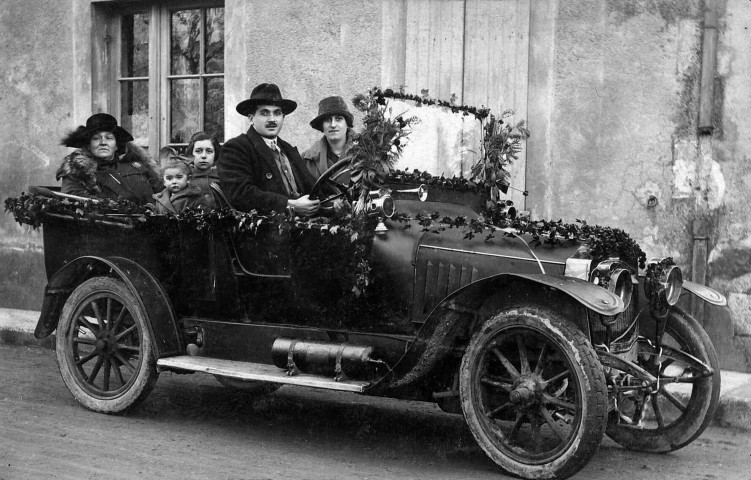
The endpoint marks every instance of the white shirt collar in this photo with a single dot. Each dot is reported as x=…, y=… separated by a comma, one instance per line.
x=271, y=142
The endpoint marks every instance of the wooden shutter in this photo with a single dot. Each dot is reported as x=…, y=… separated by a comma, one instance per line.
x=477, y=50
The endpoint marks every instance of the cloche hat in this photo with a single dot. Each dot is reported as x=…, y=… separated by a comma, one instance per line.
x=99, y=122
x=266, y=94
x=331, y=106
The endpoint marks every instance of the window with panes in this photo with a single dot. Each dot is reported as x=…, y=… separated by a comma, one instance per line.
x=170, y=72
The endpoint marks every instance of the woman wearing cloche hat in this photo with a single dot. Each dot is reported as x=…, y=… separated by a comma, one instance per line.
x=335, y=121
x=118, y=169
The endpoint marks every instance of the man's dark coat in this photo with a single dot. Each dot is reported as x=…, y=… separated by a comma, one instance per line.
x=250, y=177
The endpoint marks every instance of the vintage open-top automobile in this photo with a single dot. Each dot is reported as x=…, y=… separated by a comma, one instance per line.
x=543, y=348
x=545, y=336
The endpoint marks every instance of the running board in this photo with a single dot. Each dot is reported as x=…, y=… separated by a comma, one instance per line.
x=256, y=371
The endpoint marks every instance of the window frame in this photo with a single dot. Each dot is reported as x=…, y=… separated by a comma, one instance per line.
x=109, y=76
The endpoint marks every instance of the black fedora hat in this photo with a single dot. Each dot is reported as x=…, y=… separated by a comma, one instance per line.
x=265, y=94
x=331, y=106
x=99, y=122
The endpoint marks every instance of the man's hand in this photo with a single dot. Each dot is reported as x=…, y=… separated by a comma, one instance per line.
x=304, y=206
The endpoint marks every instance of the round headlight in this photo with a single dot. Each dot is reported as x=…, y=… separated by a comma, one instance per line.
x=672, y=284
x=620, y=284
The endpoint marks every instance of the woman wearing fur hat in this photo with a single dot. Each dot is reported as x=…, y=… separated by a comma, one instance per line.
x=122, y=170
x=335, y=121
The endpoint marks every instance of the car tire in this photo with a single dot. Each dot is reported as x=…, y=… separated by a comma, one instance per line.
x=533, y=393
x=104, y=347
x=682, y=423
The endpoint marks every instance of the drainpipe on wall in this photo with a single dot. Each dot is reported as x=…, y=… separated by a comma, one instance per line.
x=708, y=62
x=699, y=264
x=701, y=228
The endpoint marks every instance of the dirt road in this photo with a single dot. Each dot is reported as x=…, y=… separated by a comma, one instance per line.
x=191, y=427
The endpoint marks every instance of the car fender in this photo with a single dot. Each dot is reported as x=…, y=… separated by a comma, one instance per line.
x=705, y=293
x=146, y=289
x=456, y=317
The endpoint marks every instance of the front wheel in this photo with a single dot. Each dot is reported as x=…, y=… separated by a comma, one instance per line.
x=533, y=393
x=104, y=347
x=685, y=399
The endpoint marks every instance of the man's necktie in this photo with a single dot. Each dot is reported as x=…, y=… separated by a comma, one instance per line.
x=284, y=166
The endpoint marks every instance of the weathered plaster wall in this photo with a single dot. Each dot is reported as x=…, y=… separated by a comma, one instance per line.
x=320, y=49
x=37, y=102
x=730, y=147
x=625, y=107
x=626, y=76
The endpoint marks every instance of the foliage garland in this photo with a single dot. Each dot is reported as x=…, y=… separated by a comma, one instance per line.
x=602, y=242
x=457, y=184
x=376, y=149
x=425, y=99
x=500, y=145
x=373, y=156
x=31, y=209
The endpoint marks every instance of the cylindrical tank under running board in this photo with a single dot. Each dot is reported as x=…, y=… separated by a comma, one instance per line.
x=324, y=358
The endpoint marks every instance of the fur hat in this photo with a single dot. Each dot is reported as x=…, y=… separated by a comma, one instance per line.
x=331, y=106
x=265, y=94
x=99, y=122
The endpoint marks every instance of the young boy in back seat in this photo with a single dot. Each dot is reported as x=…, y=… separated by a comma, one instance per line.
x=178, y=193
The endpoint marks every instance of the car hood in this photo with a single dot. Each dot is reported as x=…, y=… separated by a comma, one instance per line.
x=498, y=246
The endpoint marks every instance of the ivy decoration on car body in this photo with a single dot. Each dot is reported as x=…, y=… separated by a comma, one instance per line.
x=501, y=144
x=377, y=148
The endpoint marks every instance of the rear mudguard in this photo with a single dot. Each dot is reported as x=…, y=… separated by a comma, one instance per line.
x=450, y=325
x=146, y=289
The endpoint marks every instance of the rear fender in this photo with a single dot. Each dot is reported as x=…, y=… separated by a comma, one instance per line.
x=146, y=289
x=450, y=325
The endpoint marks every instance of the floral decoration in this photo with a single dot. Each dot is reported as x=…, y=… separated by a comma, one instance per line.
x=501, y=144
x=376, y=149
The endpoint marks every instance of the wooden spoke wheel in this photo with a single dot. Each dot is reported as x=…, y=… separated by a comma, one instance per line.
x=685, y=400
x=104, y=347
x=533, y=393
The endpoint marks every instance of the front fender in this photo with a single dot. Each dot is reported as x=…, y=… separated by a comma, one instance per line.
x=705, y=293
x=450, y=324
x=588, y=294
x=147, y=290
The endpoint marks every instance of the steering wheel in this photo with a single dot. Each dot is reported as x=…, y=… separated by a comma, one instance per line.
x=336, y=176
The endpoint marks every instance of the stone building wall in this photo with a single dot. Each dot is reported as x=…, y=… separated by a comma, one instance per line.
x=36, y=101
x=626, y=148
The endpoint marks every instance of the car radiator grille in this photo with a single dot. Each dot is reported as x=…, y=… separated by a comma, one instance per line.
x=623, y=332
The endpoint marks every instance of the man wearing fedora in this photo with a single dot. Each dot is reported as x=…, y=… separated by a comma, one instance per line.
x=258, y=170
x=334, y=120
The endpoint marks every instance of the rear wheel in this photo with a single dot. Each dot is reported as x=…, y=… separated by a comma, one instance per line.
x=686, y=398
x=104, y=348
x=533, y=393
